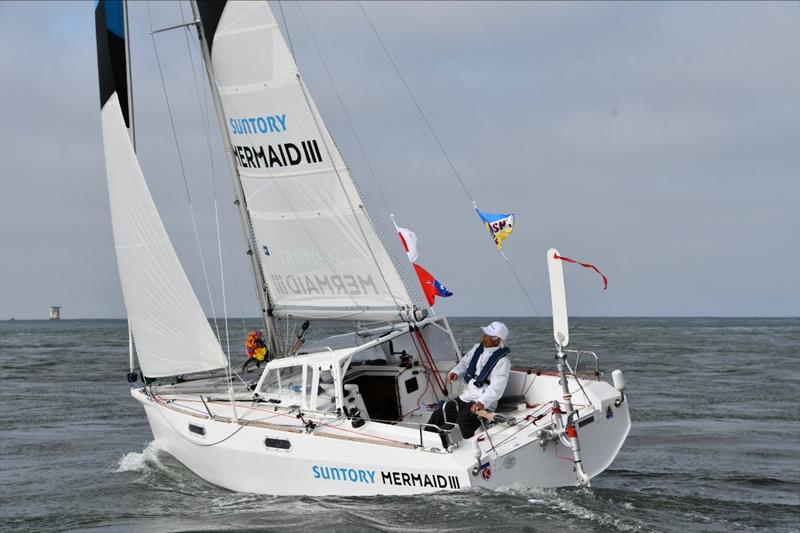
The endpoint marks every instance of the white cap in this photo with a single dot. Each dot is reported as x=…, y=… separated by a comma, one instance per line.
x=496, y=329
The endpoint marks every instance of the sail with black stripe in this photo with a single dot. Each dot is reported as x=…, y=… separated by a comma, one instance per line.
x=319, y=252
x=169, y=327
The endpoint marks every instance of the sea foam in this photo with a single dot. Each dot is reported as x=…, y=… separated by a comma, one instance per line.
x=138, y=461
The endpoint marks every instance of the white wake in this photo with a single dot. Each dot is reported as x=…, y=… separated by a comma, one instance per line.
x=138, y=461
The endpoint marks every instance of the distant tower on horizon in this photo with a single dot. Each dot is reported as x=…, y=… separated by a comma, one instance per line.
x=55, y=312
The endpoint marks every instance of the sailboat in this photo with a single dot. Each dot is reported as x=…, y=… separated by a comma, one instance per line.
x=346, y=414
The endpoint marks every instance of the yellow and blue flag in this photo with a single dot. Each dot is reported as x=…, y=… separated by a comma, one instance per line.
x=500, y=226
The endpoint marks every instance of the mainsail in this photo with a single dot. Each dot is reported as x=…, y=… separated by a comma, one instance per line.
x=320, y=255
x=171, y=332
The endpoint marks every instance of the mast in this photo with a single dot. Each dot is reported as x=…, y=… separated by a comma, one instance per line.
x=241, y=201
x=132, y=133
x=128, y=72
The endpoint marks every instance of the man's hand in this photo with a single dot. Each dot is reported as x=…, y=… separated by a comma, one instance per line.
x=477, y=406
x=451, y=377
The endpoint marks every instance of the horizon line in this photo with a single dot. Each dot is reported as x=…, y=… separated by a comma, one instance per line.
x=15, y=319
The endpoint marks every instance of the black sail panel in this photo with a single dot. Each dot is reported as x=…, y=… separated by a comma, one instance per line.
x=210, y=13
x=109, y=20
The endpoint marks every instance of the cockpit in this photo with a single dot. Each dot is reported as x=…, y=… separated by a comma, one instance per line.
x=388, y=374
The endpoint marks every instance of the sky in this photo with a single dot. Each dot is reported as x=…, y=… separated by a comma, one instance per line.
x=659, y=141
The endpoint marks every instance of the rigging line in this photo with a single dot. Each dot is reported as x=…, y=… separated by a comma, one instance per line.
x=225, y=231
x=341, y=181
x=344, y=109
x=414, y=100
x=183, y=173
x=428, y=371
x=286, y=26
x=286, y=345
x=203, y=104
x=521, y=285
x=207, y=131
x=236, y=278
x=346, y=194
x=438, y=142
x=263, y=291
x=379, y=228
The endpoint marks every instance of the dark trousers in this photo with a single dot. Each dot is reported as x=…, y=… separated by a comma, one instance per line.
x=458, y=412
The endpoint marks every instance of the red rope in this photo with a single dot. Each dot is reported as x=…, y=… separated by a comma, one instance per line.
x=424, y=366
x=432, y=363
x=584, y=265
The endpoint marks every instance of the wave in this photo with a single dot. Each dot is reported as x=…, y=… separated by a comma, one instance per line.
x=139, y=461
x=573, y=502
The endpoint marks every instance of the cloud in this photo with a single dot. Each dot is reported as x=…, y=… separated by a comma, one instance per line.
x=658, y=140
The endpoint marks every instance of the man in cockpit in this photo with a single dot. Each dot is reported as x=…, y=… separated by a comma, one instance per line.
x=485, y=369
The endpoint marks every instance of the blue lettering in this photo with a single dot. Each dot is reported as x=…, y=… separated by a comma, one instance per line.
x=263, y=124
x=340, y=473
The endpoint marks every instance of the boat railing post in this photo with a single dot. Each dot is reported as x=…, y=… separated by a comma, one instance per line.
x=486, y=432
x=261, y=381
x=205, y=404
x=574, y=373
x=581, y=353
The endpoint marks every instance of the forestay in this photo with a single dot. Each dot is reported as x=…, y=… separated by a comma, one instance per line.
x=171, y=332
x=320, y=255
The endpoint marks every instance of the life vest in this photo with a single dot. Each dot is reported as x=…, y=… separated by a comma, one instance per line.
x=483, y=378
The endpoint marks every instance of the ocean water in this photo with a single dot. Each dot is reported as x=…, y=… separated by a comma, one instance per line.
x=715, y=442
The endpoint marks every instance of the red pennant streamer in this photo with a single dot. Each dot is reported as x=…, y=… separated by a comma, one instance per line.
x=584, y=265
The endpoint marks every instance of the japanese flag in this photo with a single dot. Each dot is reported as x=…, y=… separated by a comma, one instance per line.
x=409, y=240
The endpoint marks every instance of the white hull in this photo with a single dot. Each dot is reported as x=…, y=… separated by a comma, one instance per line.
x=338, y=459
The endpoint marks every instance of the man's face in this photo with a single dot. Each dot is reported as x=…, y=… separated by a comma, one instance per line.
x=490, y=342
